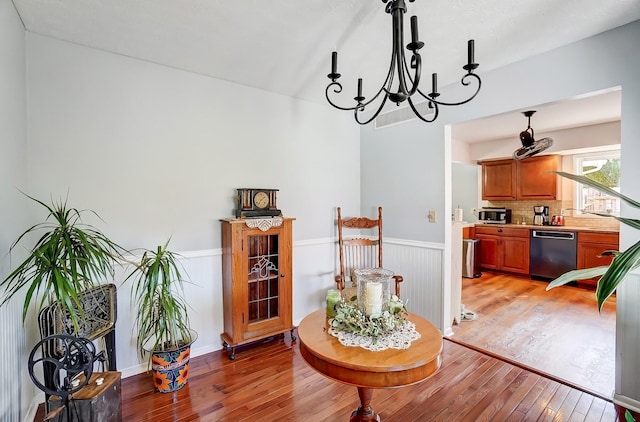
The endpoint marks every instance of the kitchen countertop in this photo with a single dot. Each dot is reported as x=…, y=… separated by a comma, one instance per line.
x=559, y=228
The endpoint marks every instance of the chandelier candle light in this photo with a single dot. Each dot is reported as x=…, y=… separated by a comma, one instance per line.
x=407, y=85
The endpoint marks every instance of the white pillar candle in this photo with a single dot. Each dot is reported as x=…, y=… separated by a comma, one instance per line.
x=373, y=299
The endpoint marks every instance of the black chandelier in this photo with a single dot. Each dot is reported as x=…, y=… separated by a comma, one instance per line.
x=407, y=85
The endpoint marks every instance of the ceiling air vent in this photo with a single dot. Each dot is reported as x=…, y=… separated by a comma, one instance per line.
x=401, y=115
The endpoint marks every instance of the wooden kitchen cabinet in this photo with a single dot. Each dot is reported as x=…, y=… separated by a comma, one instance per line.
x=590, y=246
x=531, y=178
x=256, y=281
x=499, y=180
x=536, y=178
x=504, y=249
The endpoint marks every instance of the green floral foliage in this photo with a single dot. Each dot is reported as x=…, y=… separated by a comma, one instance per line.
x=351, y=319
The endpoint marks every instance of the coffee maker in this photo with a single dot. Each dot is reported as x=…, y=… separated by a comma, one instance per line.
x=540, y=215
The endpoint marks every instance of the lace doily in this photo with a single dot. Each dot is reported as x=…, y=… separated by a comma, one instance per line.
x=400, y=338
x=263, y=224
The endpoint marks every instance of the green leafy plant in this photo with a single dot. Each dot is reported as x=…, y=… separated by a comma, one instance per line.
x=623, y=262
x=351, y=319
x=68, y=258
x=158, y=285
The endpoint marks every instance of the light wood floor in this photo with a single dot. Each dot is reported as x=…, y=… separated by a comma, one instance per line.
x=558, y=332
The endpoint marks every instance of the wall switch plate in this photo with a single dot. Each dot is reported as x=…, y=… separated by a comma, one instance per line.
x=564, y=212
x=432, y=216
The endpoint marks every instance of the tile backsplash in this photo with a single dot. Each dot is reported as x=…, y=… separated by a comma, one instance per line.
x=520, y=209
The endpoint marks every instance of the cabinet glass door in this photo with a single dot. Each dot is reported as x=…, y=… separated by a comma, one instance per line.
x=263, y=277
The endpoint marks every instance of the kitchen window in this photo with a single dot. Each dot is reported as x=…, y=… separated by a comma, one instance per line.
x=603, y=167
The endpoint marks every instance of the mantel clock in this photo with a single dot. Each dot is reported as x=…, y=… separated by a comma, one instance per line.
x=255, y=202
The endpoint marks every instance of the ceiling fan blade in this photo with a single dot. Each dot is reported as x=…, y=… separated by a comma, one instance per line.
x=537, y=147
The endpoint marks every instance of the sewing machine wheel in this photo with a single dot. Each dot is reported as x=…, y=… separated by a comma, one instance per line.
x=73, y=356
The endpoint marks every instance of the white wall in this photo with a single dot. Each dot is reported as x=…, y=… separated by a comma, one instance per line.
x=464, y=189
x=159, y=152
x=410, y=164
x=13, y=177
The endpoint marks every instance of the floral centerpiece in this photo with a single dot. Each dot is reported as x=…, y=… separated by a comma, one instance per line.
x=350, y=318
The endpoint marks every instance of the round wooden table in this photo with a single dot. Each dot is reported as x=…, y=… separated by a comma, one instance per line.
x=366, y=369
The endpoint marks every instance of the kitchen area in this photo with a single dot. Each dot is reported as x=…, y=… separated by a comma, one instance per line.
x=527, y=227
x=525, y=232
x=520, y=227
x=522, y=217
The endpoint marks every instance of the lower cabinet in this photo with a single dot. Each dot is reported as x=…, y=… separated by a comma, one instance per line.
x=590, y=247
x=504, y=249
x=507, y=249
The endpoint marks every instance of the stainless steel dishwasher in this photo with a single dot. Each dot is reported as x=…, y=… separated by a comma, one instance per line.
x=552, y=253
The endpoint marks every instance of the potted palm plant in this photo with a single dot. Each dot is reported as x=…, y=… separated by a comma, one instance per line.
x=68, y=258
x=162, y=321
x=623, y=262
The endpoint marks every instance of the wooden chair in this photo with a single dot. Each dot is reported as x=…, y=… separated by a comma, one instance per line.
x=360, y=250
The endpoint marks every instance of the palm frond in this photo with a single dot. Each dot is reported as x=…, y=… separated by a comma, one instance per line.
x=602, y=188
x=67, y=258
x=623, y=262
x=162, y=320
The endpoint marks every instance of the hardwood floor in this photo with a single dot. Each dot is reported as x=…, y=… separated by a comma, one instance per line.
x=558, y=332
x=271, y=382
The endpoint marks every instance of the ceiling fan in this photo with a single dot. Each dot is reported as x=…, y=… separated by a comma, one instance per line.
x=530, y=146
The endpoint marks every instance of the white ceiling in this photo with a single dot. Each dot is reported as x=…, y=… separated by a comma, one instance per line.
x=284, y=46
x=586, y=110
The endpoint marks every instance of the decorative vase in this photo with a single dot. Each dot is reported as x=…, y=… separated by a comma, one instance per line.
x=170, y=368
x=374, y=290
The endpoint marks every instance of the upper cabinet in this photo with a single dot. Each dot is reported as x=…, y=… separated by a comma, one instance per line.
x=536, y=178
x=499, y=180
x=531, y=178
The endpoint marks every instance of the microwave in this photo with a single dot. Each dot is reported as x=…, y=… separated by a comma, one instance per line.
x=494, y=215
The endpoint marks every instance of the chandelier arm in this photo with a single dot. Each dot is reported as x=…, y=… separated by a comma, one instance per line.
x=415, y=81
x=355, y=113
x=419, y=116
x=444, y=103
x=386, y=86
x=338, y=89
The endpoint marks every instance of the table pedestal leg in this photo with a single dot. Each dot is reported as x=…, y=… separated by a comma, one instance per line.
x=365, y=413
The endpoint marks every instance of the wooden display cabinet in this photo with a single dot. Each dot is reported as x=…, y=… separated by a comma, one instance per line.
x=256, y=281
x=504, y=249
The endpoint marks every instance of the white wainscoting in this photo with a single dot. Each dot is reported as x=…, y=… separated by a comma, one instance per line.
x=628, y=339
x=420, y=264
x=313, y=272
x=315, y=264
x=12, y=339
x=314, y=268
